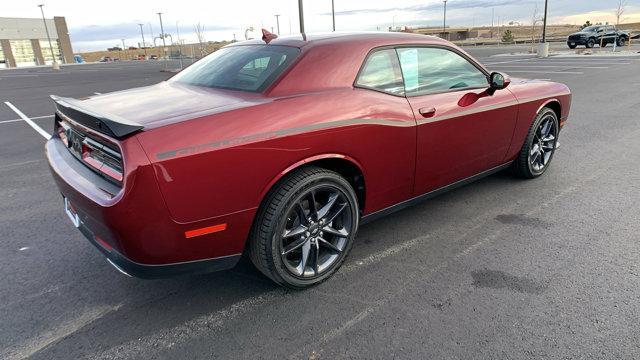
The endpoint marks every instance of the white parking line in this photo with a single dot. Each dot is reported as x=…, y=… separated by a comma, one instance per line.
x=576, y=63
x=33, y=118
x=24, y=117
x=553, y=66
x=509, y=61
x=546, y=72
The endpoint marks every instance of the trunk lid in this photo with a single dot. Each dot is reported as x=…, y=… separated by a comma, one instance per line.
x=123, y=112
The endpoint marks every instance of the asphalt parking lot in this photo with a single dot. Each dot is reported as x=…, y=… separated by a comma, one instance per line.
x=499, y=269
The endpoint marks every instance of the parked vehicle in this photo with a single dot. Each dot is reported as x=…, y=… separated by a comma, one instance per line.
x=598, y=34
x=283, y=148
x=106, y=59
x=153, y=57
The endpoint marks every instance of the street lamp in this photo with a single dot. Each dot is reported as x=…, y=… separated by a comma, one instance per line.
x=55, y=64
x=543, y=48
x=301, y=16
x=444, y=21
x=144, y=47
x=333, y=15
x=179, y=43
x=277, y=22
x=164, y=44
x=544, y=22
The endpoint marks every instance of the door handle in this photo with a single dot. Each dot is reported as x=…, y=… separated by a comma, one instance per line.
x=427, y=112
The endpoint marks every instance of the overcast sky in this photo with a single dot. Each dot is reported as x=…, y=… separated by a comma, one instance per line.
x=94, y=25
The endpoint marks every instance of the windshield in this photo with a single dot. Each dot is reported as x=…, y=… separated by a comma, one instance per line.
x=247, y=68
x=591, y=28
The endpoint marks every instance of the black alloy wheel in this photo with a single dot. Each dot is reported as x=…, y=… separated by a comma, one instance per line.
x=539, y=147
x=305, y=228
x=316, y=231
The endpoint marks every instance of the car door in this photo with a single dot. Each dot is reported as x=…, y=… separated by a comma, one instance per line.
x=611, y=34
x=462, y=127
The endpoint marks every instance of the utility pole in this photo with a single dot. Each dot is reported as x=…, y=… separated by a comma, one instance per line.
x=543, y=47
x=333, y=15
x=544, y=22
x=164, y=44
x=179, y=43
x=55, y=64
x=277, y=23
x=143, y=46
x=444, y=22
x=301, y=16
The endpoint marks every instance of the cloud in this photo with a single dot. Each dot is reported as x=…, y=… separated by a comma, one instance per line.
x=128, y=31
x=457, y=5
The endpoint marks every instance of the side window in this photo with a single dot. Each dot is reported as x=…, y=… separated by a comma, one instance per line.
x=381, y=72
x=433, y=70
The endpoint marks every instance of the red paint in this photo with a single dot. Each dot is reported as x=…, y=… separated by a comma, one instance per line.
x=208, y=157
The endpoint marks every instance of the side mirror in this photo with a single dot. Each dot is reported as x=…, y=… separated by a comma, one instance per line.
x=498, y=81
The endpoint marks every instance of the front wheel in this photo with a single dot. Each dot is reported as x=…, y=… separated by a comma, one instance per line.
x=621, y=41
x=590, y=43
x=539, y=146
x=572, y=46
x=305, y=228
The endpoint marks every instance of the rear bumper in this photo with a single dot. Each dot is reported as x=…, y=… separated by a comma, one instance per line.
x=145, y=271
x=131, y=226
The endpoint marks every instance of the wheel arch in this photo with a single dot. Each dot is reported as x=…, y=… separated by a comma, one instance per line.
x=553, y=104
x=346, y=166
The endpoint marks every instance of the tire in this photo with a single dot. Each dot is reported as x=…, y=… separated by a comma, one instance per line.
x=273, y=248
x=621, y=41
x=538, y=141
x=590, y=43
x=604, y=44
x=572, y=46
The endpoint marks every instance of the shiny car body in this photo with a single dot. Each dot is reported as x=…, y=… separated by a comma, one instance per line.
x=191, y=165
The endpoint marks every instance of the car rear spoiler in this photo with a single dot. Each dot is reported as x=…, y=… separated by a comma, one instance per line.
x=109, y=124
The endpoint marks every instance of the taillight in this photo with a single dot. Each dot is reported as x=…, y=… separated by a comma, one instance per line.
x=102, y=158
x=62, y=133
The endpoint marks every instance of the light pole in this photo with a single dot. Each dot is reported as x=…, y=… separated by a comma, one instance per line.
x=144, y=47
x=164, y=44
x=544, y=22
x=301, y=16
x=55, y=64
x=543, y=47
x=444, y=21
x=333, y=15
x=277, y=22
x=179, y=44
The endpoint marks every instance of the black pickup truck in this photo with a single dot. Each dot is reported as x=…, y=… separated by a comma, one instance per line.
x=598, y=34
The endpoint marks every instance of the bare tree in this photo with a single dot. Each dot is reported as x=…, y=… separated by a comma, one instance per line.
x=535, y=18
x=199, y=30
x=622, y=4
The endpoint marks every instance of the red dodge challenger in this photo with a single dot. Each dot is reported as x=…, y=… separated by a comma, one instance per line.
x=283, y=147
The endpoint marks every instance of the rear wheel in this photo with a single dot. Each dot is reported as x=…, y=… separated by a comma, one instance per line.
x=539, y=146
x=621, y=41
x=604, y=44
x=305, y=228
x=572, y=46
x=590, y=43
